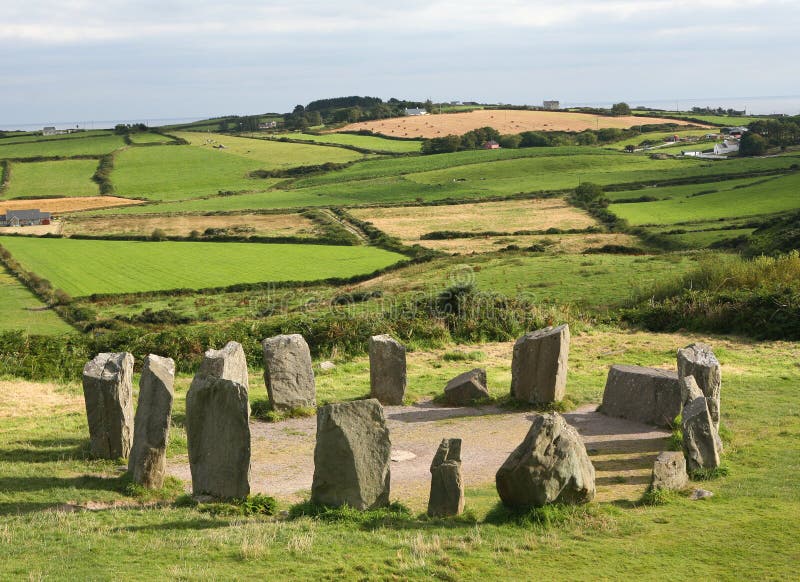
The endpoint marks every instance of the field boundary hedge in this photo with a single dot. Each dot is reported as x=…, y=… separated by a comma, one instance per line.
x=5, y=175
x=102, y=175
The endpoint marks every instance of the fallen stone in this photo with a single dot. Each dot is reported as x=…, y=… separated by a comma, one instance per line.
x=550, y=466
x=539, y=365
x=327, y=366
x=466, y=388
x=400, y=456
x=387, y=369
x=217, y=424
x=447, y=485
x=288, y=373
x=351, y=457
x=699, y=436
x=669, y=472
x=699, y=361
x=698, y=494
x=646, y=395
x=148, y=460
x=108, y=393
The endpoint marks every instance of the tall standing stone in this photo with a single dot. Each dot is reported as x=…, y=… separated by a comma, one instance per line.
x=539, y=365
x=387, y=369
x=447, y=485
x=217, y=424
x=352, y=456
x=108, y=392
x=700, y=438
x=698, y=360
x=148, y=460
x=288, y=373
x=550, y=466
x=646, y=395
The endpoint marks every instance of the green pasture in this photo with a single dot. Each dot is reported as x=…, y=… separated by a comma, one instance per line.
x=25, y=138
x=88, y=146
x=658, y=136
x=762, y=197
x=148, y=137
x=723, y=120
x=59, y=178
x=20, y=310
x=685, y=191
x=362, y=141
x=704, y=238
x=129, y=267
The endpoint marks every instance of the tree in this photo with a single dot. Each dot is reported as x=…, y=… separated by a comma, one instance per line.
x=586, y=138
x=621, y=108
x=588, y=192
x=510, y=141
x=752, y=144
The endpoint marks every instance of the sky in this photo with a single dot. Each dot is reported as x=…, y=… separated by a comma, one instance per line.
x=65, y=60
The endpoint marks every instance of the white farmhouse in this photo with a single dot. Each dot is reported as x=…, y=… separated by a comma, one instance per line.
x=726, y=147
x=416, y=111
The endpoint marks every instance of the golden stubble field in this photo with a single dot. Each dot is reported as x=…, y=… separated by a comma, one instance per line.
x=72, y=204
x=504, y=121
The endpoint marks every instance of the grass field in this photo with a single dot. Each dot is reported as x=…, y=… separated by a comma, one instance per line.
x=59, y=205
x=553, y=243
x=93, y=146
x=60, y=178
x=362, y=141
x=68, y=263
x=659, y=136
x=39, y=137
x=21, y=310
x=725, y=120
x=762, y=197
x=149, y=137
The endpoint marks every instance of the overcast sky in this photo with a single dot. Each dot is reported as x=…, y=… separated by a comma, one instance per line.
x=66, y=60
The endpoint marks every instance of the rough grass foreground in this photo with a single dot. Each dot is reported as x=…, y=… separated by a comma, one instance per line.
x=747, y=530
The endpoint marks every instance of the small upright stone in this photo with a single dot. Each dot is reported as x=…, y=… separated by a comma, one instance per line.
x=550, y=466
x=447, y=485
x=387, y=369
x=217, y=424
x=352, y=456
x=108, y=392
x=690, y=392
x=698, y=360
x=288, y=373
x=466, y=388
x=646, y=395
x=539, y=365
x=669, y=472
x=699, y=436
x=148, y=460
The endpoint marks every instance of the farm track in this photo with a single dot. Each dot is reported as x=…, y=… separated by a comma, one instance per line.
x=351, y=228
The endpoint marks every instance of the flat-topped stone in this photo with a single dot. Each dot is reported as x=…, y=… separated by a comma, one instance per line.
x=466, y=388
x=646, y=395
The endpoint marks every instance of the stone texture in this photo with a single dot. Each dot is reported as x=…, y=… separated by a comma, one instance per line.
x=387, y=369
x=108, y=393
x=351, y=457
x=148, y=461
x=447, y=485
x=217, y=424
x=465, y=388
x=699, y=436
x=690, y=391
x=646, y=395
x=699, y=494
x=288, y=373
x=699, y=361
x=539, y=365
x=669, y=472
x=551, y=465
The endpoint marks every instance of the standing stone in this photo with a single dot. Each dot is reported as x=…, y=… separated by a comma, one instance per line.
x=646, y=395
x=387, y=369
x=447, y=485
x=148, y=460
x=108, y=392
x=669, y=472
x=466, y=388
x=699, y=435
x=690, y=391
x=699, y=361
x=217, y=429
x=550, y=466
x=352, y=456
x=539, y=365
x=288, y=373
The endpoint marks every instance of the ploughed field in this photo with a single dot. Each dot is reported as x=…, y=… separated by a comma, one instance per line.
x=86, y=267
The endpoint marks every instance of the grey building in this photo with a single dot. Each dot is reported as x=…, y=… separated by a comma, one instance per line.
x=24, y=218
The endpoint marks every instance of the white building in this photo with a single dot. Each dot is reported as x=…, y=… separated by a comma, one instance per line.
x=416, y=111
x=726, y=147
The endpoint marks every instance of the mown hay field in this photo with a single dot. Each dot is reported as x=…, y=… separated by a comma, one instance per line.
x=85, y=267
x=88, y=146
x=551, y=243
x=74, y=204
x=59, y=178
x=504, y=121
x=20, y=310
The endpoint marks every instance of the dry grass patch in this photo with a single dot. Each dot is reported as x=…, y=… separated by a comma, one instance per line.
x=23, y=399
x=561, y=243
x=504, y=121
x=72, y=204
x=263, y=225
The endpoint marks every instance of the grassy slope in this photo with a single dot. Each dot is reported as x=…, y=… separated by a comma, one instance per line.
x=19, y=310
x=658, y=136
x=39, y=137
x=42, y=463
x=60, y=178
x=123, y=267
x=148, y=137
x=761, y=197
x=361, y=141
x=63, y=147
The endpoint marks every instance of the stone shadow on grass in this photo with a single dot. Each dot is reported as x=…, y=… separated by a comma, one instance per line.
x=92, y=482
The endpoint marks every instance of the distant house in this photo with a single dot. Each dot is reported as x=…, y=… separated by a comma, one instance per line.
x=268, y=125
x=491, y=145
x=726, y=147
x=49, y=131
x=24, y=218
x=550, y=105
x=416, y=111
